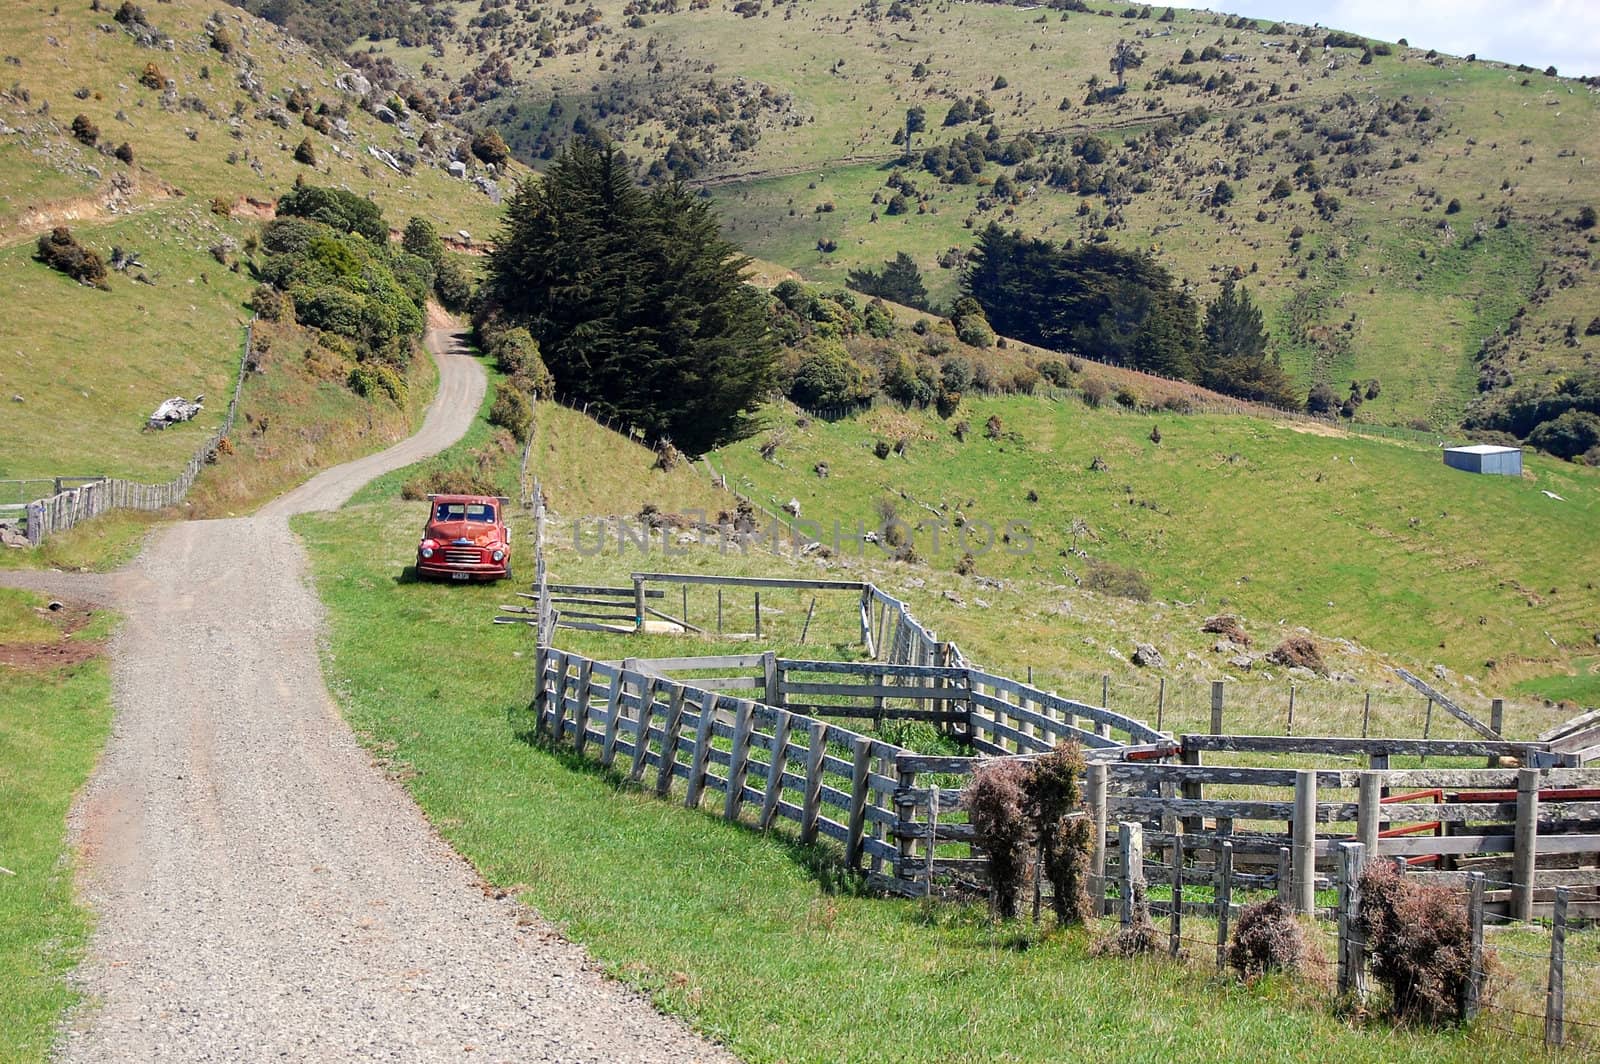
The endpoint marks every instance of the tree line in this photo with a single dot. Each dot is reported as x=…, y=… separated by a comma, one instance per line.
x=1123, y=308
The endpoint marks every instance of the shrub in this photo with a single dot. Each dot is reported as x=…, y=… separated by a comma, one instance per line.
x=270, y=304
x=448, y=482
x=1095, y=391
x=1567, y=436
x=1421, y=944
x=882, y=449
x=512, y=411
x=305, y=153
x=371, y=379
x=1297, y=652
x=974, y=331
x=1267, y=938
x=490, y=147
x=1123, y=581
x=997, y=804
x=1055, y=371
x=60, y=250
x=85, y=131
x=222, y=40
x=1227, y=626
x=828, y=378
x=1054, y=795
x=151, y=77
x=124, y=153
x=1587, y=218
x=452, y=285
x=992, y=428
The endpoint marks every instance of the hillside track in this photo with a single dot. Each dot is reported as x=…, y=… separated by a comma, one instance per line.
x=262, y=891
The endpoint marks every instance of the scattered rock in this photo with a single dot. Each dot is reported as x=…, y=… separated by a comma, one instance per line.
x=1243, y=661
x=1441, y=673
x=792, y=507
x=456, y=168
x=351, y=81
x=982, y=604
x=821, y=470
x=1147, y=656
x=384, y=115
x=1300, y=672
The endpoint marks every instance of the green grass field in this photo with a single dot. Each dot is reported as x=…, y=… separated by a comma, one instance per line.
x=1369, y=540
x=53, y=724
x=754, y=941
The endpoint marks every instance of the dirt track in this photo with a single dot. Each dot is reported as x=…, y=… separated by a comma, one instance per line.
x=262, y=891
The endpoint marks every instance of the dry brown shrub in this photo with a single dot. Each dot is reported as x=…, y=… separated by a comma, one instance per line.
x=1267, y=938
x=1421, y=943
x=1299, y=651
x=1227, y=626
x=1138, y=937
x=997, y=803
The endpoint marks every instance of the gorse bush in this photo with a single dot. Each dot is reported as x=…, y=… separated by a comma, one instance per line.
x=1421, y=943
x=997, y=805
x=512, y=411
x=1267, y=938
x=60, y=250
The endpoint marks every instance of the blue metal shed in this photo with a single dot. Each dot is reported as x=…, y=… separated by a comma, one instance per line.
x=1485, y=458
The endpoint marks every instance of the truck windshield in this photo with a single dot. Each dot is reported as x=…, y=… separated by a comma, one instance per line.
x=464, y=511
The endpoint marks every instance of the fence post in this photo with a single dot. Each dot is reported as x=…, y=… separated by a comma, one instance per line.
x=641, y=740
x=1224, y=900
x=702, y=749
x=776, y=765
x=1216, y=707
x=1555, y=1000
x=616, y=707
x=580, y=736
x=541, y=661
x=738, y=761
x=1352, y=943
x=905, y=810
x=669, y=742
x=758, y=615
x=1524, y=855
x=1285, y=876
x=1369, y=806
x=558, y=718
x=1474, y=996
x=1097, y=857
x=860, y=784
x=638, y=605
x=1161, y=703
x=1130, y=850
x=1305, y=840
x=811, y=802
x=1176, y=934
x=772, y=689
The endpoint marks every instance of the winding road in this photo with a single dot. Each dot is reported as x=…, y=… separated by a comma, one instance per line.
x=262, y=891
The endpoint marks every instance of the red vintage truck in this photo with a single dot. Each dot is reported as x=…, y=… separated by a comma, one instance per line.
x=465, y=539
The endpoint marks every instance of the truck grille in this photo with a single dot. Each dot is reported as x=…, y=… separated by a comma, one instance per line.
x=463, y=556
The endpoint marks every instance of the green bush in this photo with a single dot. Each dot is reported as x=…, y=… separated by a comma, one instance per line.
x=271, y=304
x=1123, y=581
x=490, y=147
x=1567, y=436
x=512, y=411
x=452, y=285
x=828, y=378
x=371, y=379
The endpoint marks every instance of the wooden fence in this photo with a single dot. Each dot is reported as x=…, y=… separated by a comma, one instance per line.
x=70, y=505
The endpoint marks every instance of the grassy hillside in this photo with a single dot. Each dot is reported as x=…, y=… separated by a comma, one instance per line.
x=789, y=111
x=1371, y=540
x=213, y=136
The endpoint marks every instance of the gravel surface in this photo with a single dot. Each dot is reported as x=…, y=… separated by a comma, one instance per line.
x=262, y=891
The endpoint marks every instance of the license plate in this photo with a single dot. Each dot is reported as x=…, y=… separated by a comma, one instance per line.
x=461, y=576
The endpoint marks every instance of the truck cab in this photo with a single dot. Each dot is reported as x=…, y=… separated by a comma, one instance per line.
x=465, y=539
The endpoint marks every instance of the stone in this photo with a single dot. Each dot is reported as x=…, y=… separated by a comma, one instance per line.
x=1245, y=662
x=1147, y=656
x=351, y=81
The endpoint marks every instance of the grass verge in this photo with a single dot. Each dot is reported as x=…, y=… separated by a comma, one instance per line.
x=53, y=723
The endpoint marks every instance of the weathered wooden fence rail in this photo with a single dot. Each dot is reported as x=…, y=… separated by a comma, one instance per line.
x=70, y=505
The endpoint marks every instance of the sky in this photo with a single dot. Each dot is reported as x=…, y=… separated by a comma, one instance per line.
x=1540, y=33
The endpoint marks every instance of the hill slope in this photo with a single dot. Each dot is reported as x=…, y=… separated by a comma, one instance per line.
x=1427, y=203
x=213, y=106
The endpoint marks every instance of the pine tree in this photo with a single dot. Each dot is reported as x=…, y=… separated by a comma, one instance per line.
x=1235, y=357
x=636, y=301
x=900, y=281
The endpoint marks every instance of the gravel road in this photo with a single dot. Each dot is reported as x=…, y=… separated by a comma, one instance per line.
x=262, y=891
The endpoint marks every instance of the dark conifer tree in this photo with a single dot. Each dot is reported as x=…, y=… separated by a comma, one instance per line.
x=636, y=300
x=1236, y=359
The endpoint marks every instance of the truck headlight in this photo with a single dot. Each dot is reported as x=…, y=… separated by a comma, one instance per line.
x=499, y=555
x=426, y=552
